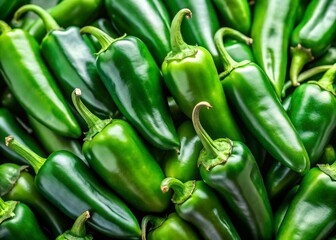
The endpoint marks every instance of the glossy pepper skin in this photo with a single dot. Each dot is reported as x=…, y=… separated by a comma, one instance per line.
x=147, y=20
x=17, y=221
x=200, y=29
x=170, y=227
x=134, y=81
x=191, y=76
x=239, y=51
x=71, y=62
x=312, y=110
x=311, y=213
x=68, y=13
x=9, y=125
x=23, y=68
x=230, y=168
x=249, y=90
x=196, y=203
x=313, y=35
x=271, y=30
x=65, y=181
x=17, y=184
x=116, y=152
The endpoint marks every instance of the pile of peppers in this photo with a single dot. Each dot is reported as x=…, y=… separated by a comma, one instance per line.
x=167, y=119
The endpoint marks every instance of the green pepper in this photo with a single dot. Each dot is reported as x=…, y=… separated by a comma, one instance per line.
x=115, y=151
x=134, y=81
x=230, y=168
x=23, y=68
x=312, y=111
x=200, y=29
x=328, y=58
x=9, y=125
x=311, y=213
x=191, y=76
x=17, y=184
x=272, y=26
x=8, y=101
x=8, y=7
x=170, y=227
x=238, y=51
x=312, y=36
x=183, y=164
x=68, y=13
x=78, y=230
x=18, y=222
x=148, y=20
x=196, y=203
x=67, y=182
x=329, y=155
x=255, y=100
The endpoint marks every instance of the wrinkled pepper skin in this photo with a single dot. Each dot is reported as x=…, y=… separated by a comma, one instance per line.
x=200, y=29
x=23, y=68
x=65, y=181
x=21, y=225
x=249, y=90
x=17, y=184
x=134, y=81
x=147, y=20
x=191, y=76
x=271, y=30
x=311, y=213
x=196, y=203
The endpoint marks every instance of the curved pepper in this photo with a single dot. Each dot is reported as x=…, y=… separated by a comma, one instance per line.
x=23, y=68
x=311, y=213
x=196, y=203
x=18, y=185
x=252, y=94
x=170, y=227
x=191, y=76
x=230, y=168
x=134, y=81
x=65, y=181
x=313, y=35
x=116, y=152
x=148, y=20
x=271, y=30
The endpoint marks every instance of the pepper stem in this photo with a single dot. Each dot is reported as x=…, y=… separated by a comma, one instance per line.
x=7, y=209
x=103, y=38
x=155, y=222
x=94, y=123
x=327, y=80
x=49, y=22
x=180, y=49
x=35, y=160
x=330, y=170
x=228, y=62
x=4, y=27
x=182, y=191
x=78, y=228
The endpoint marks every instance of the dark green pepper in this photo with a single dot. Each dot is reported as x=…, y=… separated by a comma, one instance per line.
x=65, y=181
x=117, y=154
x=311, y=213
x=23, y=68
x=313, y=35
x=271, y=30
x=17, y=184
x=170, y=227
x=329, y=155
x=328, y=58
x=196, y=203
x=230, y=168
x=251, y=93
x=134, y=81
x=312, y=111
x=78, y=230
x=8, y=7
x=191, y=76
x=148, y=20
x=17, y=222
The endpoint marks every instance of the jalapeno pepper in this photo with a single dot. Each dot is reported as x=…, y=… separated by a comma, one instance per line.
x=191, y=76
x=65, y=181
x=251, y=93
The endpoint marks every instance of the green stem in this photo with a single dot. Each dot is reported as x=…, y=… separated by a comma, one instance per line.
x=330, y=170
x=49, y=22
x=7, y=209
x=4, y=27
x=78, y=228
x=182, y=191
x=155, y=222
x=35, y=160
x=180, y=49
x=94, y=123
x=328, y=79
